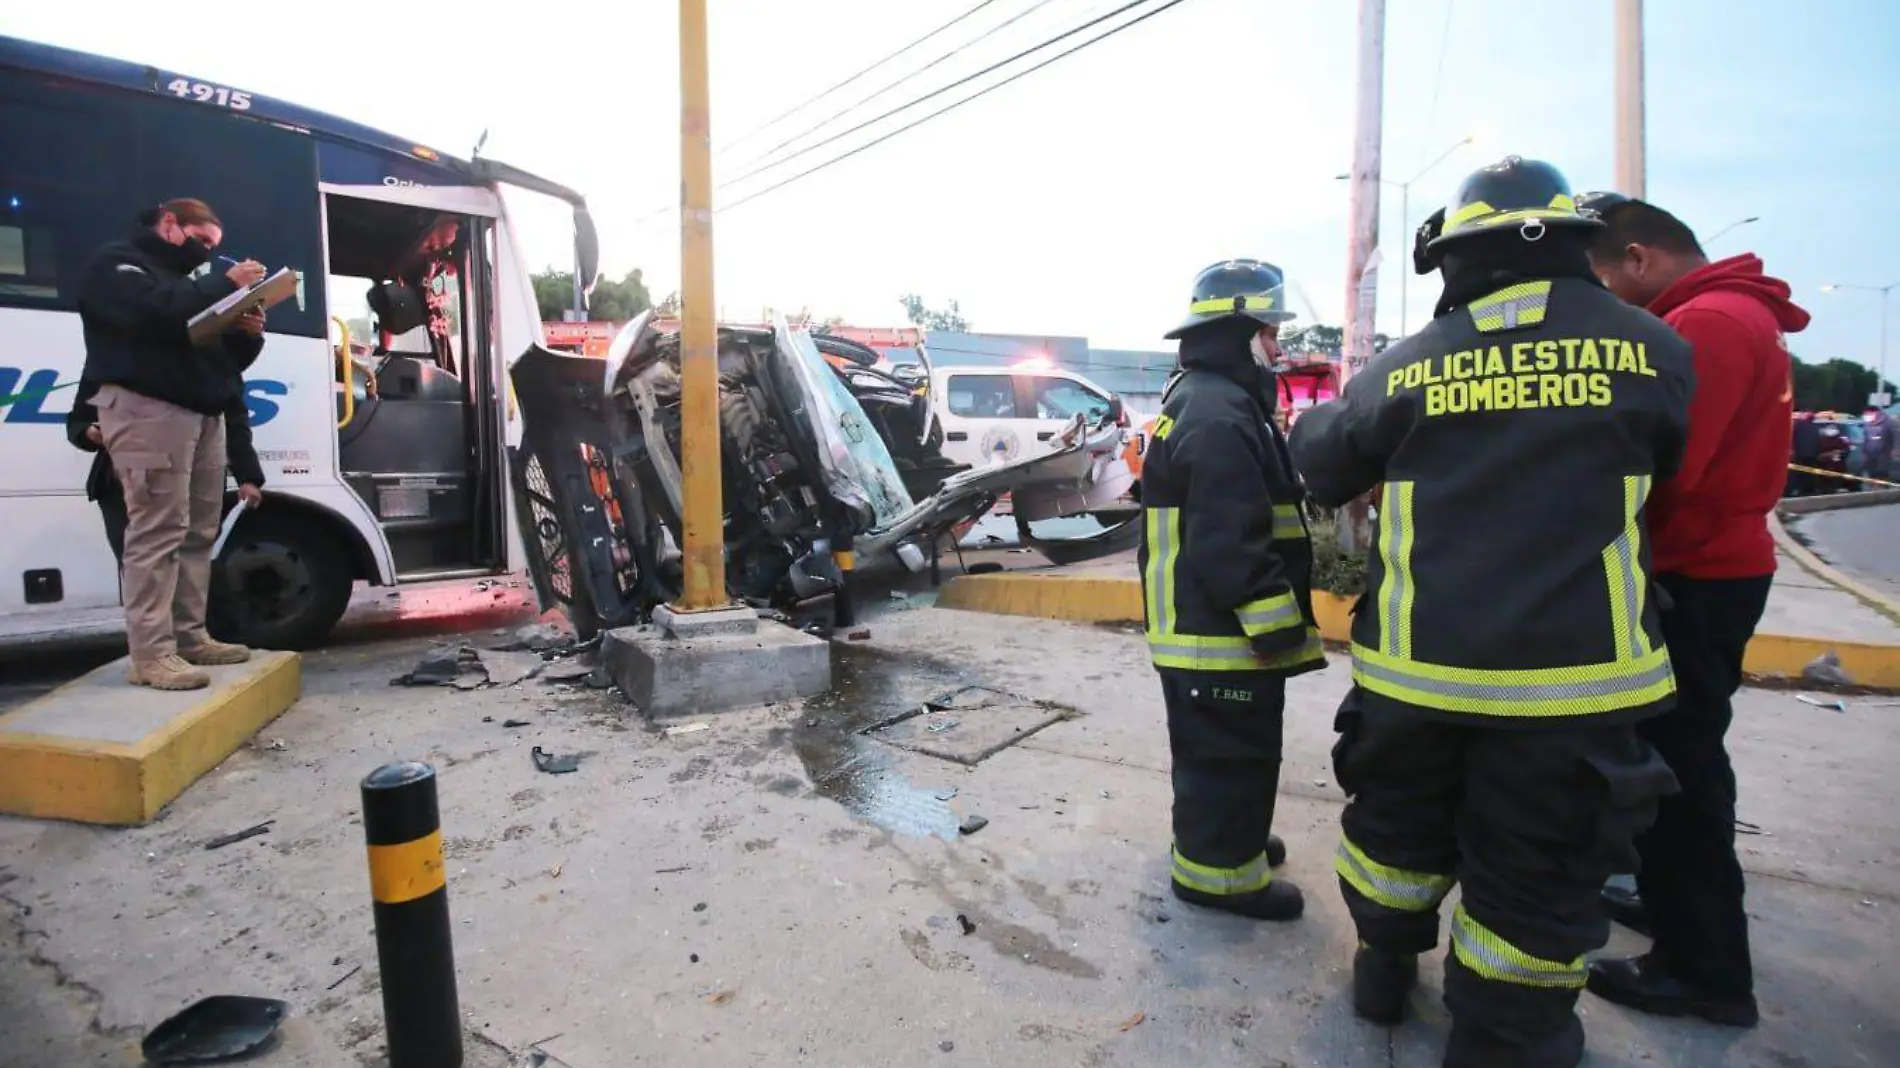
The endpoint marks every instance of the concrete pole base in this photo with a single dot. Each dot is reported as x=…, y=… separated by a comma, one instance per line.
x=699, y=663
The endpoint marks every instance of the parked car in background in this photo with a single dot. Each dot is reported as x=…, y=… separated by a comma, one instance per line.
x=994, y=415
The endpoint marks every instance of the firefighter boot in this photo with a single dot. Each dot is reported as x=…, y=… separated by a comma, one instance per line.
x=1278, y=900
x=1649, y=984
x=1381, y=981
x=1276, y=851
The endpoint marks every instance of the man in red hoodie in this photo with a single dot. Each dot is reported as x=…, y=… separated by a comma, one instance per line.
x=1715, y=561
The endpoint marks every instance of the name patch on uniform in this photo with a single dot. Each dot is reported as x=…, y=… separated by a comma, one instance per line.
x=1230, y=693
x=1569, y=372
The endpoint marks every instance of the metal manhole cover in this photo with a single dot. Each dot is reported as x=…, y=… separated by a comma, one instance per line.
x=968, y=725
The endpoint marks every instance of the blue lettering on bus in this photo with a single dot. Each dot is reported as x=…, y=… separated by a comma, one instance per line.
x=23, y=396
x=257, y=399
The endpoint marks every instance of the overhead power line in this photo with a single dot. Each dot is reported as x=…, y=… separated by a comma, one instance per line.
x=946, y=57
x=933, y=94
x=813, y=100
x=959, y=103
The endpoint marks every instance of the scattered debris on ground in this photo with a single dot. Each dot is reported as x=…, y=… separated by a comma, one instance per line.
x=536, y=637
x=1826, y=669
x=972, y=824
x=347, y=976
x=963, y=922
x=1133, y=1021
x=511, y=724
x=468, y=668
x=556, y=763
x=686, y=728
x=1835, y=704
x=217, y=1028
x=238, y=836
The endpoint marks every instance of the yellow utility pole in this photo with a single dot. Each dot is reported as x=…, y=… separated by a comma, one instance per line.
x=705, y=547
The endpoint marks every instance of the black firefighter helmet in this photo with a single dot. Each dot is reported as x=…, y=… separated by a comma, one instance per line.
x=1230, y=289
x=1526, y=195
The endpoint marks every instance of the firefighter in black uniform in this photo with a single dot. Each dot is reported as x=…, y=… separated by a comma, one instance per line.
x=1226, y=570
x=1508, y=641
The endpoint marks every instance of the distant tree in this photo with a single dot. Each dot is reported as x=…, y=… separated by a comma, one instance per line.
x=950, y=319
x=612, y=301
x=1837, y=385
x=1327, y=339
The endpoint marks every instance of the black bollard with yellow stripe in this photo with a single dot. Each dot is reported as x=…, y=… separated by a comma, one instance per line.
x=403, y=826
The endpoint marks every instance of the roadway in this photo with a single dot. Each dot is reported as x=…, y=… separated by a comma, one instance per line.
x=1863, y=542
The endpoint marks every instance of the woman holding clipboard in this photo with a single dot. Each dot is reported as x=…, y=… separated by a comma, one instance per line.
x=163, y=408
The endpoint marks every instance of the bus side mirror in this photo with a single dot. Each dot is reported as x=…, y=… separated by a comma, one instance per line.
x=1117, y=412
x=586, y=250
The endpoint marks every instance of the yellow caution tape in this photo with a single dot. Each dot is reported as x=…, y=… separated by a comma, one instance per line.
x=1837, y=474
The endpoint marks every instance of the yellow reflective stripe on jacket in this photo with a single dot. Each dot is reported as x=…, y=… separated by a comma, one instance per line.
x=1248, y=878
x=1486, y=953
x=1524, y=692
x=1269, y=614
x=1623, y=567
x=1205, y=652
x=1397, y=533
x=1395, y=888
x=1164, y=549
x=1512, y=307
x=1288, y=523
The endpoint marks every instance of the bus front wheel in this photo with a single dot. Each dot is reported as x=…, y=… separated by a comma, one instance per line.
x=280, y=584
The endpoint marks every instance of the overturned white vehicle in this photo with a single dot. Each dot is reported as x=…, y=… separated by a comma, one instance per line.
x=815, y=453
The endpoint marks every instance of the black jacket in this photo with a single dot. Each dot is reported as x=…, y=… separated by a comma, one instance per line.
x=1226, y=565
x=1517, y=436
x=135, y=298
x=240, y=455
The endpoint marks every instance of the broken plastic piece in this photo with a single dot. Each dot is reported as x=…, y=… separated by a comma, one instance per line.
x=216, y=1028
x=687, y=728
x=1837, y=704
x=964, y=922
x=972, y=824
x=555, y=764
x=513, y=723
x=238, y=836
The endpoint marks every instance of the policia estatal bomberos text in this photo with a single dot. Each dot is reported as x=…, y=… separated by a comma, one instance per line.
x=1508, y=640
x=1226, y=575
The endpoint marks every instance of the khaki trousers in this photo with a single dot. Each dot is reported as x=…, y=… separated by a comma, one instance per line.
x=171, y=463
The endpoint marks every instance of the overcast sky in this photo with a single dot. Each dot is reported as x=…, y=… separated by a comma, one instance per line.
x=1083, y=198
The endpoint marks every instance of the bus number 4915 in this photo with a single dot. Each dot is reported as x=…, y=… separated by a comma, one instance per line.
x=210, y=94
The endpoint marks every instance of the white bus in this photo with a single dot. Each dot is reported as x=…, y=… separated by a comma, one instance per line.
x=380, y=405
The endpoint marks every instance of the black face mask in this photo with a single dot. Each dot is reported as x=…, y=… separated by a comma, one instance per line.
x=193, y=253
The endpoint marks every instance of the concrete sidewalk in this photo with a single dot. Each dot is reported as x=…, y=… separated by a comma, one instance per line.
x=780, y=890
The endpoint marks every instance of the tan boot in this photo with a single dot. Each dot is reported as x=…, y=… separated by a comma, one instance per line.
x=214, y=652
x=169, y=673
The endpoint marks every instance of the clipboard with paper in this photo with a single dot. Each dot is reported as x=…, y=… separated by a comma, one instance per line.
x=210, y=324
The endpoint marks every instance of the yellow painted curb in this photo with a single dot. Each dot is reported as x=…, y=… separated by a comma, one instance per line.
x=1079, y=599
x=94, y=780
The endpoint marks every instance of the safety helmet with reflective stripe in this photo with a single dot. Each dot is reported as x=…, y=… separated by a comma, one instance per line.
x=1512, y=193
x=1230, y=289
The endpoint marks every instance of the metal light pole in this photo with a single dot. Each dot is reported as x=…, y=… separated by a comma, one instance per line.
x=1630, y=168
x=704, y=549
x=1719, y=234
x=1885, y=292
